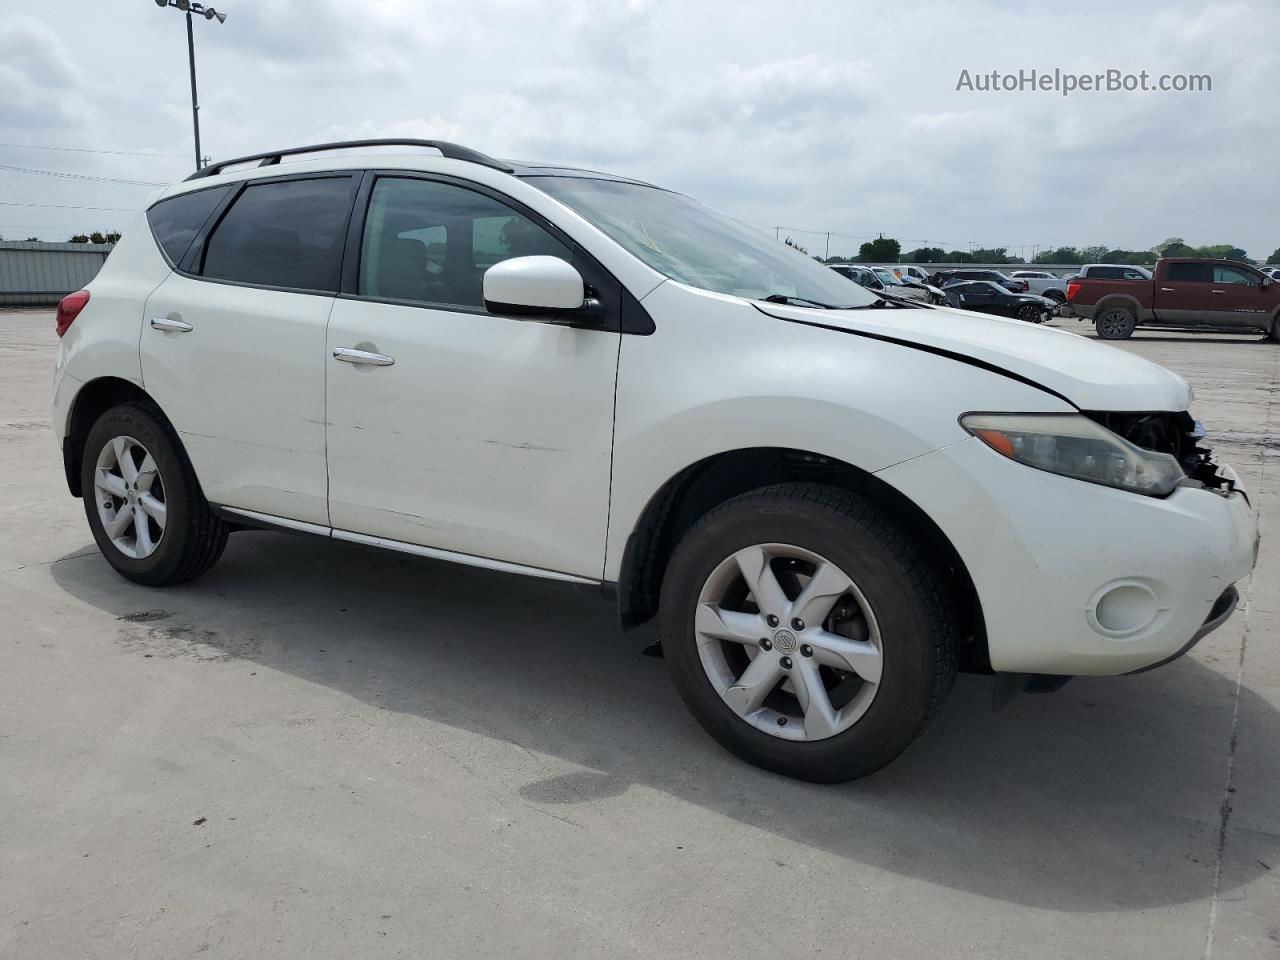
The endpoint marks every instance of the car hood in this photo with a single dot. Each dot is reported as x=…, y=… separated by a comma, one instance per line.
x=1088, y=374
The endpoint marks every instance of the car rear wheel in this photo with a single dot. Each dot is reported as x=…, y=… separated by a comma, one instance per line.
x=805, y=633
x=1030, y=313
x=143, y=502
x=1115, y=323
x=1057, y=296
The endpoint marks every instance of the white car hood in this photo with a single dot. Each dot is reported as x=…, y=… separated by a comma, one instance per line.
x=1089, y=374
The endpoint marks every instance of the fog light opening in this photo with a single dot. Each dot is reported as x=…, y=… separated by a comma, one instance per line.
x=1124, y=609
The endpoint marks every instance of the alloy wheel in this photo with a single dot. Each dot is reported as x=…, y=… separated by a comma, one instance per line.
x=1113, y=325
x=788, y=641
x=130, y=497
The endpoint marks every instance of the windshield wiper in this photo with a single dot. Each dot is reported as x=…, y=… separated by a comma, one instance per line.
x=802, y=301
x=888, y=300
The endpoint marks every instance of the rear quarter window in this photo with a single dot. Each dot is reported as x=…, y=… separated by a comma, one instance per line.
x=176, y=221
x=285, y=234
x=1189, y=273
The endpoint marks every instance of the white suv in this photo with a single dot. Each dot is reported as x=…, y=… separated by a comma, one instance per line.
x=830, y=500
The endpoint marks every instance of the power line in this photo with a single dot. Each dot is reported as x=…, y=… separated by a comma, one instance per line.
x=63, y=206
x=117, y=153
x=83, y=176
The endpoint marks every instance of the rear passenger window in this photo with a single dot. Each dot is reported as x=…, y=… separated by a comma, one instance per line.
x=431, y=242
x=1188, y=273
x=176, y=221
x=284, y=234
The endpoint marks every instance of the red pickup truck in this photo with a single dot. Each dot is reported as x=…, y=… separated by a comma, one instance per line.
x=1185, y=291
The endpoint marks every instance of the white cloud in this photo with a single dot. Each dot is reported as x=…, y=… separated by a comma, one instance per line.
x=824, y=115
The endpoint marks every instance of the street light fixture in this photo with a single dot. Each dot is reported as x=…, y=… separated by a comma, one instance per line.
x=188, y=7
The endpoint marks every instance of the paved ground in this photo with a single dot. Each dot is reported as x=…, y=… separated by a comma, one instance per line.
x=319, y=751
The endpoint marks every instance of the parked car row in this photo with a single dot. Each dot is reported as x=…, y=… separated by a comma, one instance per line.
x=1118, y=298
x=885, y=281
x=983, y=291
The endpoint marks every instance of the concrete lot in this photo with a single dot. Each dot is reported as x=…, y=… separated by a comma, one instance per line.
x=321, y=751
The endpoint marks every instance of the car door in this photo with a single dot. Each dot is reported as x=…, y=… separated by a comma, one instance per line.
x=1238, y=299
x=233, y=343
x=979, y=296
x=1182, y=293
x=470, y=432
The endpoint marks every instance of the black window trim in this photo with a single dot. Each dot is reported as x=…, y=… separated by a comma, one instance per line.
x=624, y=312
x=193, y=260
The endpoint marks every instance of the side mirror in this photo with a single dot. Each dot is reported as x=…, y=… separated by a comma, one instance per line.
x=536, y=287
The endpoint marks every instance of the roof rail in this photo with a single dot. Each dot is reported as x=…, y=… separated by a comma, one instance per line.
x=451, y=150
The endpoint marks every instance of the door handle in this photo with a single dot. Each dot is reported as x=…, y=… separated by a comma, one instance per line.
x=1168, y=290
x=169, y=325
x=347, y=355
x=1221, y=292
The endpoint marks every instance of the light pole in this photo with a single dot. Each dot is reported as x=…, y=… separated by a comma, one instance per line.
x=188, y=7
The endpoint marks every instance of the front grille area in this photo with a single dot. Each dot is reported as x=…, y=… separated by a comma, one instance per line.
x=1178, y=434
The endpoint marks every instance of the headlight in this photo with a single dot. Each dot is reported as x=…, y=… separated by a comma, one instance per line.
x=1072, y=445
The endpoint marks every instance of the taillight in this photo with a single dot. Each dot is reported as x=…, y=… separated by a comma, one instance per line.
x=1072, y=290
x=1025, y=286
x=69, y=308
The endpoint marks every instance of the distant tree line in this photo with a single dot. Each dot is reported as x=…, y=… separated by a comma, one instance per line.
x=887, y=250
x=112, y=236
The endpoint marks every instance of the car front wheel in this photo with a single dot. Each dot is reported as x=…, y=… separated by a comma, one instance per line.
x=805, y=633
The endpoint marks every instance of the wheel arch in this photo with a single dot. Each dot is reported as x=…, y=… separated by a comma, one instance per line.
x=1119, y=300
x=688, y=495
x=91, y=401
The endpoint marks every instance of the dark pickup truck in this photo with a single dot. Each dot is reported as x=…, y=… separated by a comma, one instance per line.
x=1184, y=292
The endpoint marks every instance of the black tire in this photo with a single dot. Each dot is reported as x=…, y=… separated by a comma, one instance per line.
x=1029, y=313
x=194, y=537
x=1115, y=323
x=917, y=626
x=1057, y=296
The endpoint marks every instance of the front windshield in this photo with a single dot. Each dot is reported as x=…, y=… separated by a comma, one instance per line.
x=694, y=244
x=888, y=277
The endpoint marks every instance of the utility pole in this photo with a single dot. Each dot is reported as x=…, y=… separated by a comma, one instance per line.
x=188, y=8
x=195, y=102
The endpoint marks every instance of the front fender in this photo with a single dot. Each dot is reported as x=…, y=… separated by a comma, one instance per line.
x=718, y=376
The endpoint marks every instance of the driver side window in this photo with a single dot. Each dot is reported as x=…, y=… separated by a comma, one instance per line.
x=430, y=242
x=1234, y=275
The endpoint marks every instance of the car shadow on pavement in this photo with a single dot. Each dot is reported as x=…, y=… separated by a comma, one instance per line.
x=1105, y=796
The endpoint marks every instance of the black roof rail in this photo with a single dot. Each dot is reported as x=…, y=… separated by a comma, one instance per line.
x=451, y=150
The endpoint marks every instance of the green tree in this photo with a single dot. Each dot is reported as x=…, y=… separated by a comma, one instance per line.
x=79, y=238
x=1059, y=255
x=1275, y=257
x=880, y=250
x=1221, y=251
x=993, y=255
x=926, y=255
x=959, y=256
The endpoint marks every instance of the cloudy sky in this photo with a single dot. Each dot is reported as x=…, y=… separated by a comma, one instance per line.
x=840, y=116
